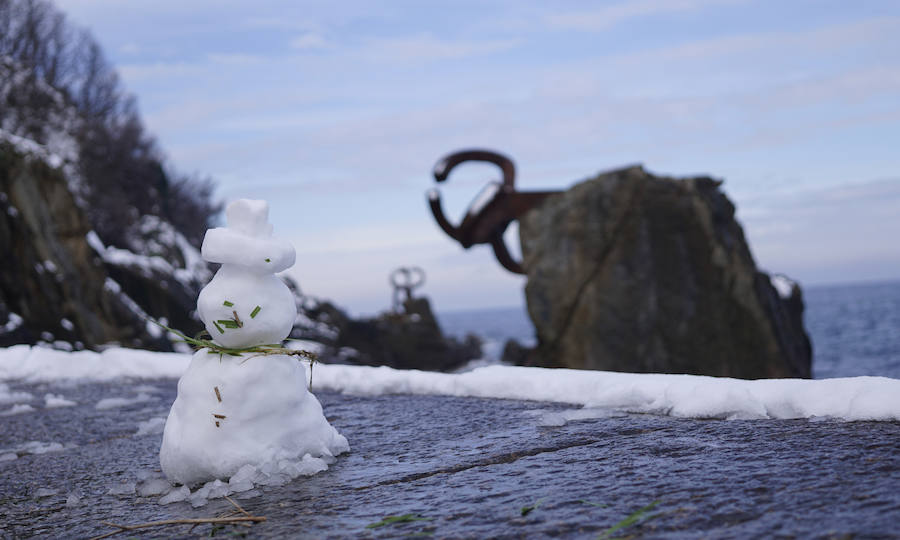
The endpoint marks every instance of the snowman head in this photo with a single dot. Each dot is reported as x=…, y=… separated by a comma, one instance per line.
x=246, y=304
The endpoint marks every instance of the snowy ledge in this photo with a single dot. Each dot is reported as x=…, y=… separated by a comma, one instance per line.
x=688, y=396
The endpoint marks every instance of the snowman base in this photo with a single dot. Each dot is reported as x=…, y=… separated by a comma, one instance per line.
x=246, y=413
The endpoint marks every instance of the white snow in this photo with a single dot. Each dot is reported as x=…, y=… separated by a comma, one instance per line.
x=13, y=322
x=40, y=364
x=67, y=324
x=147, y=265
x=32, y=148
x=9, y=396
x=783, y=284
x=248, y=240
x=31, y=447
x=692, y=396
x=114, y=402
x=234, y=294
x=176, y=495
x=266, y=418
x=305, y=345
x=153, y=487
x=17, y=409
x=52, y=401
x=41, y=493
x=154, y=236
x=62, y=345
x=151, y=426
x=274, y=473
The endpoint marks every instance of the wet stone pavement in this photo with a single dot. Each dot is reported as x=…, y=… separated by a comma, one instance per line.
x=469, y=466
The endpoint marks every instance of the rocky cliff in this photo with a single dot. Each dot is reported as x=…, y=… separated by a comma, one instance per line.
x=54, y=287
x=633, y=272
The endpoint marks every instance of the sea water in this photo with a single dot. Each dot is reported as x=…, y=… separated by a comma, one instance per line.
x=855, y=329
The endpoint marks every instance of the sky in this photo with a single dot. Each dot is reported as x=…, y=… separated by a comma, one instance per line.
x=335, y=112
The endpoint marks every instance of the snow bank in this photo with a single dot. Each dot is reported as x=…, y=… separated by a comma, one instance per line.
x=41, y=364
x=690, y=396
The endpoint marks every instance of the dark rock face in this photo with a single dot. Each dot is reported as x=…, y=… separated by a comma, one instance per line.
x=634, y=272
x=53, y=287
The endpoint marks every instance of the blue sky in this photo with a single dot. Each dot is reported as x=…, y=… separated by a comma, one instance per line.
x=335, y=113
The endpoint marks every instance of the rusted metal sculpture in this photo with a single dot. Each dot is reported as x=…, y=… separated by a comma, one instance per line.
x=404, y=280
x=491, y=211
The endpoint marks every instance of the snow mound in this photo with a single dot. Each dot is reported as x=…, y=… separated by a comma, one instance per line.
x=17, y=409
x=687, y=396
x=114, y=402
x=9, y=396
x=52, y=401
x=151, y=426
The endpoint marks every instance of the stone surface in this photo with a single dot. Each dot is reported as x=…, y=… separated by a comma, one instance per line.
x=633, y=272
x=470, y=466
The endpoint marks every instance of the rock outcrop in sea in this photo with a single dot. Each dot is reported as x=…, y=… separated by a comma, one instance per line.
x=634, y=272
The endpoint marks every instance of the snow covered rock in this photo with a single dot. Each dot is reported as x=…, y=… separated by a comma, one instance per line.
x=249, y=409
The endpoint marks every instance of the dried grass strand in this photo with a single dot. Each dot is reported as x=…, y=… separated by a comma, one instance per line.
x=189, y=521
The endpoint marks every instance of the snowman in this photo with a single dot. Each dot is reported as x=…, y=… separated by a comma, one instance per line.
x=234, y=411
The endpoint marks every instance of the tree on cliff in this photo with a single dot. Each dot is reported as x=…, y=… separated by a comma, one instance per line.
x=121, y=166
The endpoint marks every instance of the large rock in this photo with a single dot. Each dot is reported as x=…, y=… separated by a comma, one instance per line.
x=53, y=287
x=633, y=272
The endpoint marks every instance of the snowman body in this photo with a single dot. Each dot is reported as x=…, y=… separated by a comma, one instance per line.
x=248, y=409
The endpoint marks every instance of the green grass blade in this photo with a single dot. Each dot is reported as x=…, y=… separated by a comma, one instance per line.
x=390, y=520
x=630, y=520
x=528, y=509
